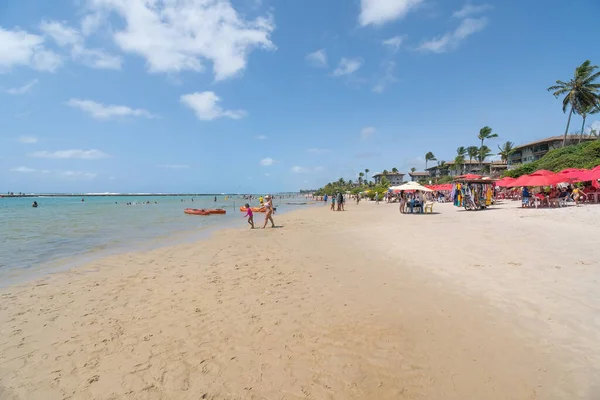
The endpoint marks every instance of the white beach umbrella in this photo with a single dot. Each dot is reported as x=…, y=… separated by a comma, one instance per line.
x=412, y=186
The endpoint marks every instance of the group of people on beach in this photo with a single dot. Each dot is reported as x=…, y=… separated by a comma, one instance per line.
x=267, y=204
x=338, y=199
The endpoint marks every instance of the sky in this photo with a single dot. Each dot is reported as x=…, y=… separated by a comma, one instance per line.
x=241, y=96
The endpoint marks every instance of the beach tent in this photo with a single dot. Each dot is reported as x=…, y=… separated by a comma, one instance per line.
x=412, y=186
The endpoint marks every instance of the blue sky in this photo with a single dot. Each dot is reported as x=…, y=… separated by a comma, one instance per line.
x=271, y=95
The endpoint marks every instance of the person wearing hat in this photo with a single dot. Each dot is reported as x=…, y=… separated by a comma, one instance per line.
x=268, y=205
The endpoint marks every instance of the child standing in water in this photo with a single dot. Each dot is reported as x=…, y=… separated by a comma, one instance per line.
x=250, y=216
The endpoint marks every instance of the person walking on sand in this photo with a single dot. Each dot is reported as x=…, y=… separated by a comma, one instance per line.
x=250, y=215
x=339, y=201
x=268, y=205
x=332, y=202
x=376, y=198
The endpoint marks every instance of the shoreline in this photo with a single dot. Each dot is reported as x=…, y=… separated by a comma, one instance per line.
x=332, y=305
x=19, y=276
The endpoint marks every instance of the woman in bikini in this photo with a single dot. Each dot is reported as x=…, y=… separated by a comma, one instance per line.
x=268, y=205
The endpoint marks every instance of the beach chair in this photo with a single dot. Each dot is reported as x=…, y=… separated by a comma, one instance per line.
x=428, y=207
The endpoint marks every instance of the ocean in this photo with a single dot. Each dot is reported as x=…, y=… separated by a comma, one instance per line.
x=64, y=231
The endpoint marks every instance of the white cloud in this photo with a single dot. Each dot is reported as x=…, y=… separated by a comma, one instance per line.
x=24, y=170
x=470, y=9
x=72, y=39
x=395, y=42
x=78, y=175
x=594, y=126
x=62, y=34
x=388, y=77
x=28, y=139
x=318, y=58
x=347, y=66
x=174, y=166
x=452, y=40
x=174, y=36
x=101, y=111
x=378, y=12
x=306, y=170
x=23, y=89
x=367, y=132
x=267, y=162
x=260, y=137
x=66, y=154
x=20, y=48
x=206, y=106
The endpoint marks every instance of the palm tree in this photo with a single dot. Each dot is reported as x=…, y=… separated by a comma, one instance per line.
x=442, y=166
x=483, y=153
x=580, y=92
x=584, y=111
x=360, y=178
x=413, y=169
x=459, y=160
x=429, y=157
x=341, y=181
x=367, y=174
x=385, y=172
x=472, y=152
x=506, y=150
x=485, y=133
x=394, y=170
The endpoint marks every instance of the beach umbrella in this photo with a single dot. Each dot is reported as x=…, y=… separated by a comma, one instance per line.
x=543, y=172
x=505, y=182
x=520, y=181
x=542, y=179
x=592, y=175
x=412, y=186
x=468, y=176
x=572, y=174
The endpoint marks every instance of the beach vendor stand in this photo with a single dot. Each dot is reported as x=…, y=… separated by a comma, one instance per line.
x=473, y=192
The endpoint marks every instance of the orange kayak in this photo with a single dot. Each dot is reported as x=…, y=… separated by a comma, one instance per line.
x=195, y=211
x=217, y=211
x=254, y=209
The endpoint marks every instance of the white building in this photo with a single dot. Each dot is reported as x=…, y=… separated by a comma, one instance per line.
x=395, y=178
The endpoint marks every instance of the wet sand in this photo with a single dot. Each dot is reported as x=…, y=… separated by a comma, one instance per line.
x=362, y=304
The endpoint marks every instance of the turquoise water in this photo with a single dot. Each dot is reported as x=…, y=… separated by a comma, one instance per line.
x=65, y=230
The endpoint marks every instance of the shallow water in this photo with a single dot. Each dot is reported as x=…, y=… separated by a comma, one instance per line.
x=63, y=230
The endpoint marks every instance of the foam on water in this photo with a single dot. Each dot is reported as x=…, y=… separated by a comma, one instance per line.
x=62, y=230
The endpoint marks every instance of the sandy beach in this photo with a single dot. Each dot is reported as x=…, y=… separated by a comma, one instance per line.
x=362, y=304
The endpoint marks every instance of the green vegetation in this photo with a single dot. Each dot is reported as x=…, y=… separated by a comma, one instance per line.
x=360, y=186
x=583, y=155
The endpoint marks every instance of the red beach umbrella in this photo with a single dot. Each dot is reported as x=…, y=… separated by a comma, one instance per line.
x=543, y=172
x=572, y=174
x=468, y=176
x=505, y=182
x=520, y=181
x=543, y=179
x=592, y=175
